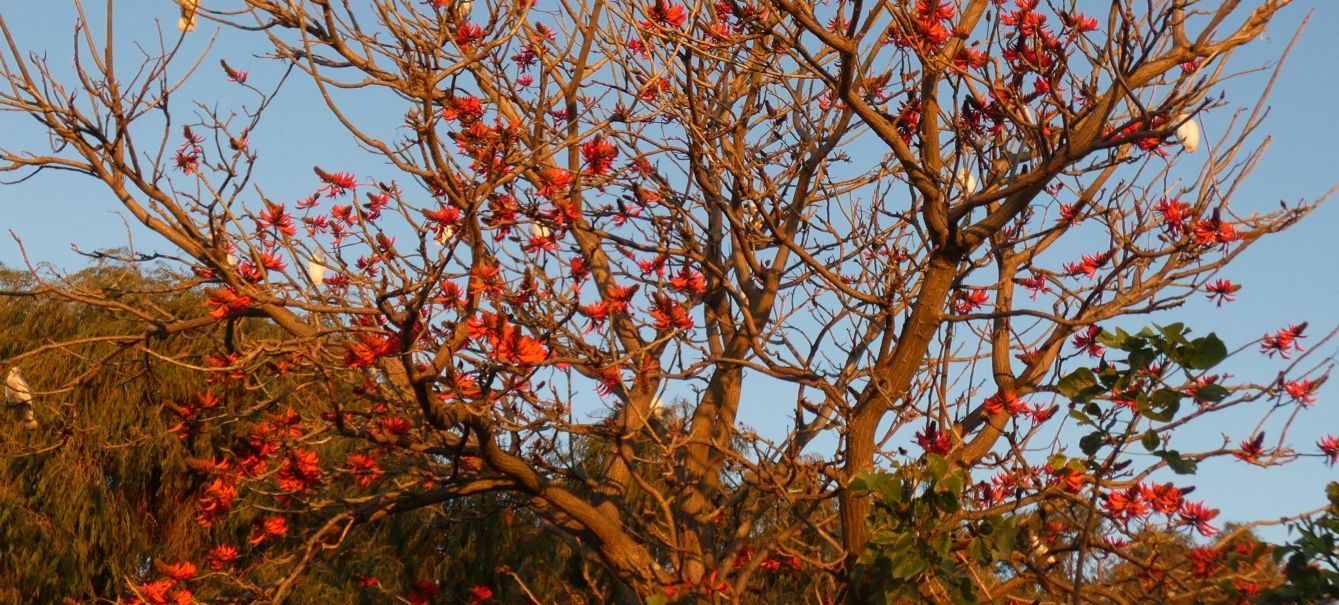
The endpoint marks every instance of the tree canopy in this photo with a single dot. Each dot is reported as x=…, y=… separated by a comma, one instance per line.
x=511, y=358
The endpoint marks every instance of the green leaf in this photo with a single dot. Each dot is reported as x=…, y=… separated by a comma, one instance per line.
x=1212, y=393
x=1079, y=385
x=954, y=483
x=1141, y=359
x=1164, y=405
x=908, y=565
x=939, y=544
x=884, y=485
x=1174, y=333
x=1091, y=442
x=1179, y=465
x=1206, y=352
x=1119, y=340
x=1150, y=440
x=1165, y=398
x=1004, y=541
x=859, y=484
x=937, y=465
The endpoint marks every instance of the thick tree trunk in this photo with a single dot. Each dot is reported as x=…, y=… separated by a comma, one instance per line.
x=891, y=380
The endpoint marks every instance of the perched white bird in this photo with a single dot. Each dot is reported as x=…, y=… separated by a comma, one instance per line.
x=16, y=388
x=1039, y=550
x=187, y=21
x=444, y=236
x=751, y=214
x=17, y=393
x=316, y=267
x=966, y=181
x=1188, y=134
x=463, y=9
x=538, y=231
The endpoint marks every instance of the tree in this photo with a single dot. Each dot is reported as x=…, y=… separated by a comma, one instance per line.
x=1311, y=560
x=606, y=206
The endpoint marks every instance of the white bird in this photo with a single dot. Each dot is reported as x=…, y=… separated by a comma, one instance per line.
x=1039, y=549
x=966, y=181
x=17, y=393
x=463, y=9
x=1188, y=134
x=187, y=21
x=538, y=231
x=316, y=267
x=445, y=234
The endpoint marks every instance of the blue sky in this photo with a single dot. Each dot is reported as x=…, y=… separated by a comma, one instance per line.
x=1287, y=279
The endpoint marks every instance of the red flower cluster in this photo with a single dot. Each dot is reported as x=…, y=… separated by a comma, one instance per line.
x=1164, y=497
x=166, y=591
x=931, y=27
x=271, y=527
x=1175, y=215
x=553, y=182
x=422, y=592
x=667, y=15
x=276, y=217
x=188, y=154
x=1213, y=232
x=1071, y=479
x=1087, y=341
x=216, y=501
x=477, y=595
x=395, y=425
x=227, y=303
x=598, y=155
x=1283, y=341
x=933, y=441
x=221, y=556
x=1088, y=265
x=1139, y=125
x=466, y=109
x=1139, y=500
x=1036, y=284
x=370, y=348
x=689, y=281
x=1329, y=446
x=1126, y=504
x=468, y=34
x=1222, y=291
x=179, y=572
x=507, y=342
x=1250, y=450
x=1204, y=561
x=300, y=471
x=364, y=468
x=1302, y=391
x=669, y=313
x=1033, y=47
x=1004, y=402
x=616, y=301
x=777, y=561
x=336, y=183
x=966, y=301
x=488, y=147
x=1198, y=515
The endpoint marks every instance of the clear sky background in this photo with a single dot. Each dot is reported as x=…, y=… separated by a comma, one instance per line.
x=1287, y=279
